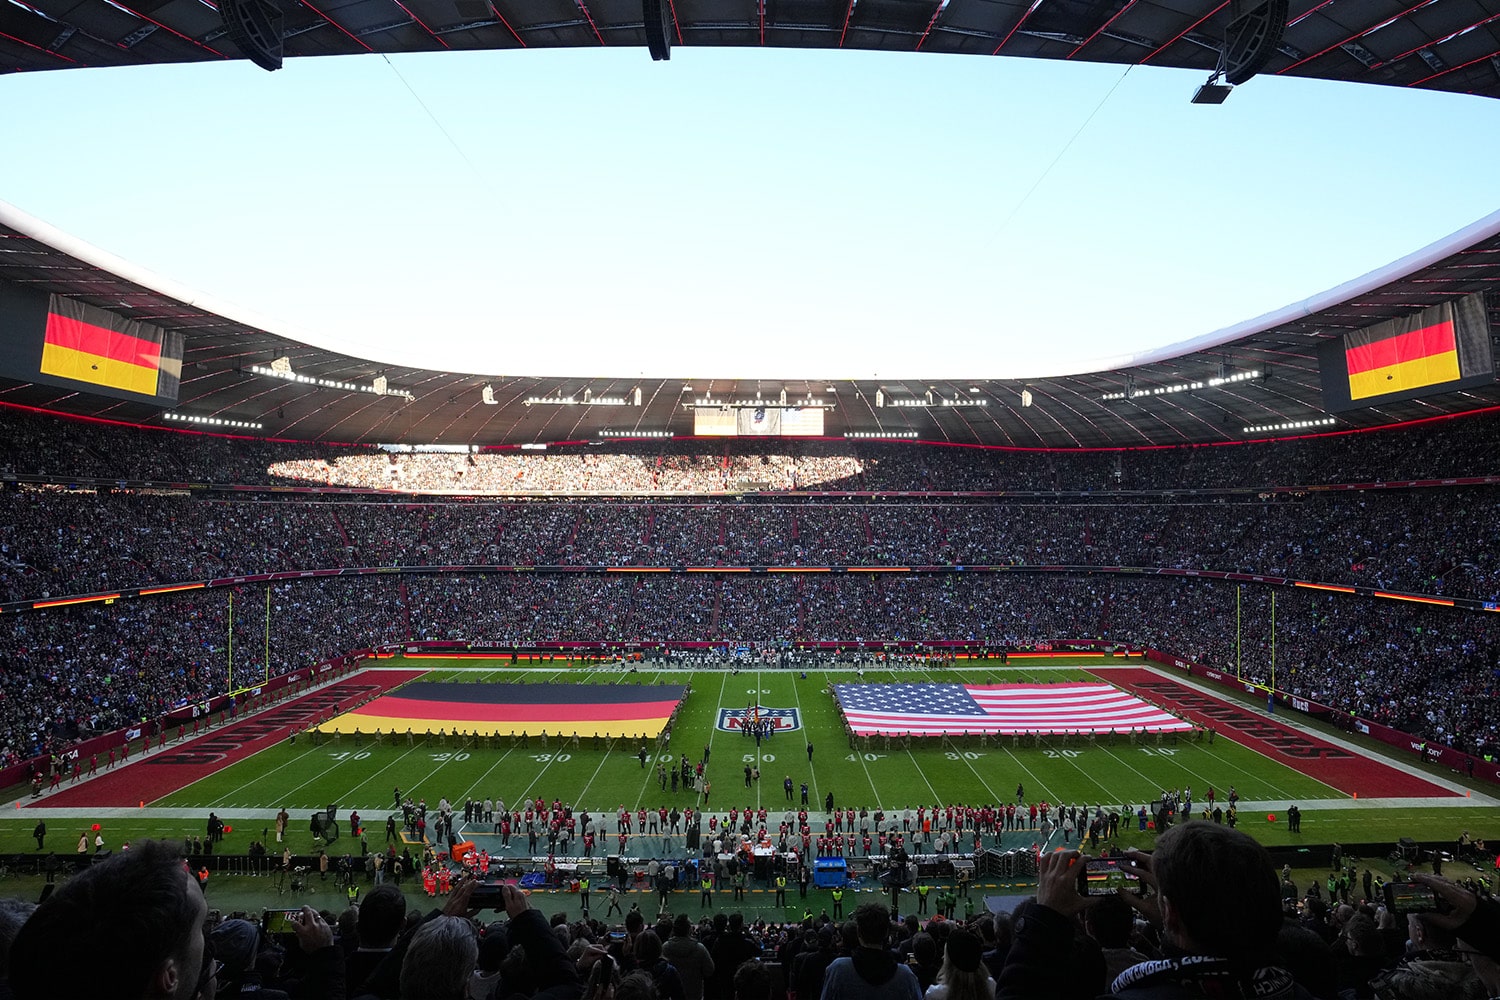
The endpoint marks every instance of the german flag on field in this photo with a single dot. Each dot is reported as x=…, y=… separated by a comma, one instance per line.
x=513, y=709
x=1407, y=361
x=90, y=345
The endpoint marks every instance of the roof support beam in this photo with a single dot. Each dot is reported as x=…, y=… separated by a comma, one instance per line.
x=1354, y=37
x=1012, y=33
x=1176, y=38
x=937, y=13
x=1103, y=27
x=420, y=23
x=496, y=11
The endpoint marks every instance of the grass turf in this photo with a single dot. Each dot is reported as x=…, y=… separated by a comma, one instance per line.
x=359, y=774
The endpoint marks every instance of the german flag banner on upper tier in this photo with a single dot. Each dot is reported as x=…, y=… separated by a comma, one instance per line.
x=629, y=710
x=1439, y=349
x=85, y=344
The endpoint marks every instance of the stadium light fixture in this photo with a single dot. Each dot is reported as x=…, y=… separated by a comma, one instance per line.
x=1291, y=425
x=1213, y=92
x=589, y=399
x=607, y=433
x=880, y=434
x=380, y=387
x=807, y=403
x=202, y=421
x=1217, y=382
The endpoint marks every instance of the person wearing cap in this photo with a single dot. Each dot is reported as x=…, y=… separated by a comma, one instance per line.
x=963, y=973
x=238, y=944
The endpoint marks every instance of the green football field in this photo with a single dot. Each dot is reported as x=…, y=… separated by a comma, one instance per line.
x=304, y=776
x=605, y=775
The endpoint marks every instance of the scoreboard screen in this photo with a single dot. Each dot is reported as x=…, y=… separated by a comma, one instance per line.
x=758, y=421
x=1440, y=349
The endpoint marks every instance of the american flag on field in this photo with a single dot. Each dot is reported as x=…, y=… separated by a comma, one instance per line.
x=954, y=709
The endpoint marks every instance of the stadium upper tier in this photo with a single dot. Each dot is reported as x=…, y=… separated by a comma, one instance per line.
x=1310, y=365
x=1434, y=541
x=34, y=444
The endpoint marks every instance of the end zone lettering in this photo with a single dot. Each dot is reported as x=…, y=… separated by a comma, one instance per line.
x=783, y=719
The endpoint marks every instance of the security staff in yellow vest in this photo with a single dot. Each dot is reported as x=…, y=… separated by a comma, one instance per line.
x=838, y=903
x=583, y=892
x=706, y=884
x=780, y=890
x=922, y=891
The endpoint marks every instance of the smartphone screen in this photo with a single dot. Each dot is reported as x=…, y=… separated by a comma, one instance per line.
x=281, y=922
x=1409, y=897
x=1102, y=876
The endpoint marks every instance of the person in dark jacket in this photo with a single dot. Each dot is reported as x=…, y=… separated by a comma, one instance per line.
x=729, y=950
x=871, y=972
x=812, y=962
x=1216, y=902
x=694, y=964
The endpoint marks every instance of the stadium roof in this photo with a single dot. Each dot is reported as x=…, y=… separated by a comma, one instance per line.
x=1449, y=46
x=331, y=401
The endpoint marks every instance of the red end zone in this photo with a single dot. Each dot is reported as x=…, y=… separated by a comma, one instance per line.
x=162, y=772
x=1344, y=769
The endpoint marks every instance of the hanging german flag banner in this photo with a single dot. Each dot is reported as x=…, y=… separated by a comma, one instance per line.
x=1403, y=363
x=85, y=344
x=1440, y=349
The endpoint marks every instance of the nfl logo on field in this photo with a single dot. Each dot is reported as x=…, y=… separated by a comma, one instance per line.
x=783, y=719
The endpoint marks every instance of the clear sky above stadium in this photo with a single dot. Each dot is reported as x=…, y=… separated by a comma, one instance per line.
x=742, y=213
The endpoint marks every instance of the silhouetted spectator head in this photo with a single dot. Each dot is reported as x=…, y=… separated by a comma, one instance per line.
x=382, y=913
x=963, y=970
x=873, y=923
x=1304, y=953
x=752, y=981
x=1110, y=921
x=13, y=913
x=440, y=960
x=141, y=914
x=1194, y=863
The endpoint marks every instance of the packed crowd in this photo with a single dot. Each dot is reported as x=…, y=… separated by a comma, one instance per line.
x=70, y=673
x=34, y=443
x=76, y=670
x=1434, y=541
x=1207, y=921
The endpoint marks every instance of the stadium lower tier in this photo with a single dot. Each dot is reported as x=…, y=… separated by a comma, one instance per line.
x=1425, y=670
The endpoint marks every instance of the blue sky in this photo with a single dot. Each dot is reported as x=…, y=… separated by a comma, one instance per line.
x=751, y=213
